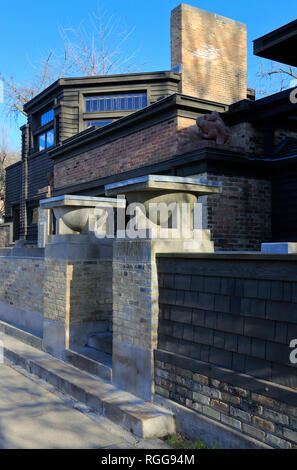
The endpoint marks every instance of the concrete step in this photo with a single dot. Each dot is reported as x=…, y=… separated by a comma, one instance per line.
x=24, y=335
x=92, y=361
x=101, y=342
x=142, y=418
x=102, y=326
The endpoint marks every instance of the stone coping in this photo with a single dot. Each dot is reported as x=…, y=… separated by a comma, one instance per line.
x=5, y=224
x=81, y=201
x=162, y=183
x=22, y=257
x=279, y=247
x=236, y=255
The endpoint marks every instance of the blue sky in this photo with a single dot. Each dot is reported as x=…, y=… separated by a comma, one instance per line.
x=28, y=29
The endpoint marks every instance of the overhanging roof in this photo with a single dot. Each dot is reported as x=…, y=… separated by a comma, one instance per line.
x=279, y=45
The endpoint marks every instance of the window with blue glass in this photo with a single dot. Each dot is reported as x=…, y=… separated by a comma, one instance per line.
x=47, y=117
x=116, y=102
x=97, y=122
x=46, y=140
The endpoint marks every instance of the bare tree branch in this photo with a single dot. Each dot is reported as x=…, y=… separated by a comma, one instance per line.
x=6, y=158
x=275, y=77
x=93, y=48
x=97, y=49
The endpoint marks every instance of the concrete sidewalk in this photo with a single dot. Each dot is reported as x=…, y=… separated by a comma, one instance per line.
x=33, y=415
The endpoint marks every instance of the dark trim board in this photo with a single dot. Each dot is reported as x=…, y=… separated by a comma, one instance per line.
x=103, y=80
x=279, y=45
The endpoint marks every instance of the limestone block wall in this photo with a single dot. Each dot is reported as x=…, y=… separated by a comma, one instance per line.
x=133, y=283
x=135, y=315
x=21, y=291
x=43, y=226
x=78, y=291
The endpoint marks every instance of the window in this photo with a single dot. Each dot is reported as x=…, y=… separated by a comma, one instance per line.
x=46, y=139
x=97, y=123
x=117, y=102
x=33, y=215
x=47, y=117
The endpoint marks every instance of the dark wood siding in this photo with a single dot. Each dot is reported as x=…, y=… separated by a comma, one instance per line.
x=284, y=208
x=13, y=187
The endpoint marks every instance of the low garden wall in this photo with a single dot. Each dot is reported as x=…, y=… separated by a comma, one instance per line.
x=21, y=292
x=225, y=325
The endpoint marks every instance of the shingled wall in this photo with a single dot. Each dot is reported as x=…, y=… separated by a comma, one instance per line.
x=225, y=326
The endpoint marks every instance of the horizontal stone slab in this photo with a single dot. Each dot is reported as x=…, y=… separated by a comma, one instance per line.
x=162, y=183
x=281, y=247
x=81, y=201
x=142, y=418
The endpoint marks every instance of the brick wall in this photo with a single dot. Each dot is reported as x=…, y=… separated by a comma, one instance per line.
x=135, y=315
x=212, y=50
x=21, y=282
x=78, y=291
x=132, y=285
x=269, y=420
x=248, y=137
x=147, y=146
x=240, y=315
x=281, y=134
x=240, y=217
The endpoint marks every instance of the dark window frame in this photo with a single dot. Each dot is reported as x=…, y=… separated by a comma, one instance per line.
x=47, y=117
x=115, y=102
x=45, y=134
x=98, y=122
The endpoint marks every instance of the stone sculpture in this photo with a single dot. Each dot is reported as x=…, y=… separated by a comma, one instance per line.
x=212, y=127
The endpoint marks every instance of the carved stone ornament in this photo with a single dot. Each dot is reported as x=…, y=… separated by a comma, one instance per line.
x=212, y=127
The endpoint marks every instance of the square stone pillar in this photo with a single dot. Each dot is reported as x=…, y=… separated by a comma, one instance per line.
x=78, y=274
x=135, y=278
x=43, y=226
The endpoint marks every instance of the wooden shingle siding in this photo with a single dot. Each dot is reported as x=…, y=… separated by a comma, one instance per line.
x=38, y=169
x=13, y=186
x=284, y=212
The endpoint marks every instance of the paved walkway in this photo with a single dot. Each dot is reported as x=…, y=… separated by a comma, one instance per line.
x=33, y=415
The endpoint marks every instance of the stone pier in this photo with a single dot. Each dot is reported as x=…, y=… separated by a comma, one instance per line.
x=135, y=281
x=78, y=274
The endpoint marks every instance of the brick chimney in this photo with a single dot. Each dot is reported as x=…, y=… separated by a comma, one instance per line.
x=213, y=53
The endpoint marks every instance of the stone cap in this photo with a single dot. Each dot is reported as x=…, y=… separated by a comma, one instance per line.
x=81, y=201
x=279, y=247
x=163, y=183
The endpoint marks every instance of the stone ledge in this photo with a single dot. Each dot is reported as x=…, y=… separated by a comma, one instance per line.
x=144, y=419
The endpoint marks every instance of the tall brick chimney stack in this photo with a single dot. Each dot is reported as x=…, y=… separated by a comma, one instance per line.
x=213, y=53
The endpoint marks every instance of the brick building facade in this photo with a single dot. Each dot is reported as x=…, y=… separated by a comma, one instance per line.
x=157, y=135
